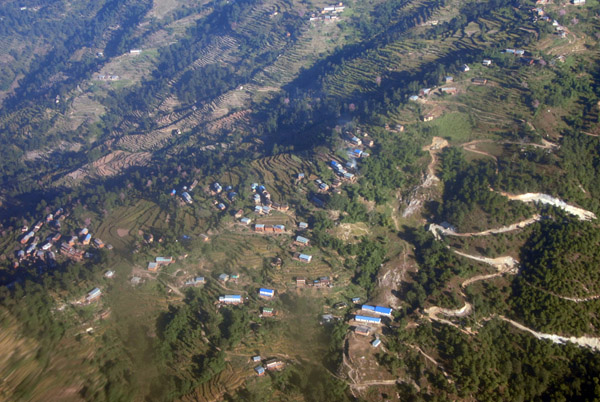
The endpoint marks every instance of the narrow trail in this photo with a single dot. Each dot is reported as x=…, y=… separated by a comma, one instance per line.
x=584, y=341
x=437, y=229
x=471, y=147
x=417, y=197
x=435, y=362
x=573, y=299
x=581, y=213
x=437, y=144
x=502, y=264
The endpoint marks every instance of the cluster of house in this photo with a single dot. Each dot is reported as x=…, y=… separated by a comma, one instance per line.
x=42, y=251
x=267, y=294
x=158, y=262
x=366, y=322
x=259, y=227
x=328, y=13
x=539, y=12
x=195, y=281
x=185, y=195
x=341, y=171
x=273, y=364
x=367, y=331
x=322, y=282
x=377, y=311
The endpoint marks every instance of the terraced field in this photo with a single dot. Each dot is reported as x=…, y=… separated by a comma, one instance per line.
x=125, y=222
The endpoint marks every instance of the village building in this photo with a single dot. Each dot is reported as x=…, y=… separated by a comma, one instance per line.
x=304, y=257
x=245, y=221
x=479, y=81
x=256, y=358
x=152, y=266
x=198, y=280
x=280, y=207
x=303, y=225
x=109, y=274
x=223, y=278
x=164, y=260
x=327, y=318
x=362, y=330
x=486, y=62
x=266, y=293
x=187, y=197
x=428, y=117
x=300, y=281
x=367, y=319
x=231, y=299
x=301, y=241
x=382, y=311
x=448, y=90
x=204, y=237
x=27, y=237
x=87, y=239
x=268, y=312
x=93, y=295
x=260, y=371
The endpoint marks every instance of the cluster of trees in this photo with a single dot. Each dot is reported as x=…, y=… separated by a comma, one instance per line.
x=437, y=266
x=467, y=188
x=364, y=257
x=501, y=364
x=559, y=261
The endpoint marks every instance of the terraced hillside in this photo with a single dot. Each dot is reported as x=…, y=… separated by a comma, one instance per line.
x=292, y=200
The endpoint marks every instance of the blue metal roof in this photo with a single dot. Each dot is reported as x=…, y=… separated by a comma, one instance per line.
x=383, y=310
x=367, y=307
x=301, y=239
x=267, y=292
x=365, y=318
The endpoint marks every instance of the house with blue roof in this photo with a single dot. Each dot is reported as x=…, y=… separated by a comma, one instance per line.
x=301, y=241
x=305, y=257
x=385, y=311
x=266, y=293
x=231, y=299
x=367, y=319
